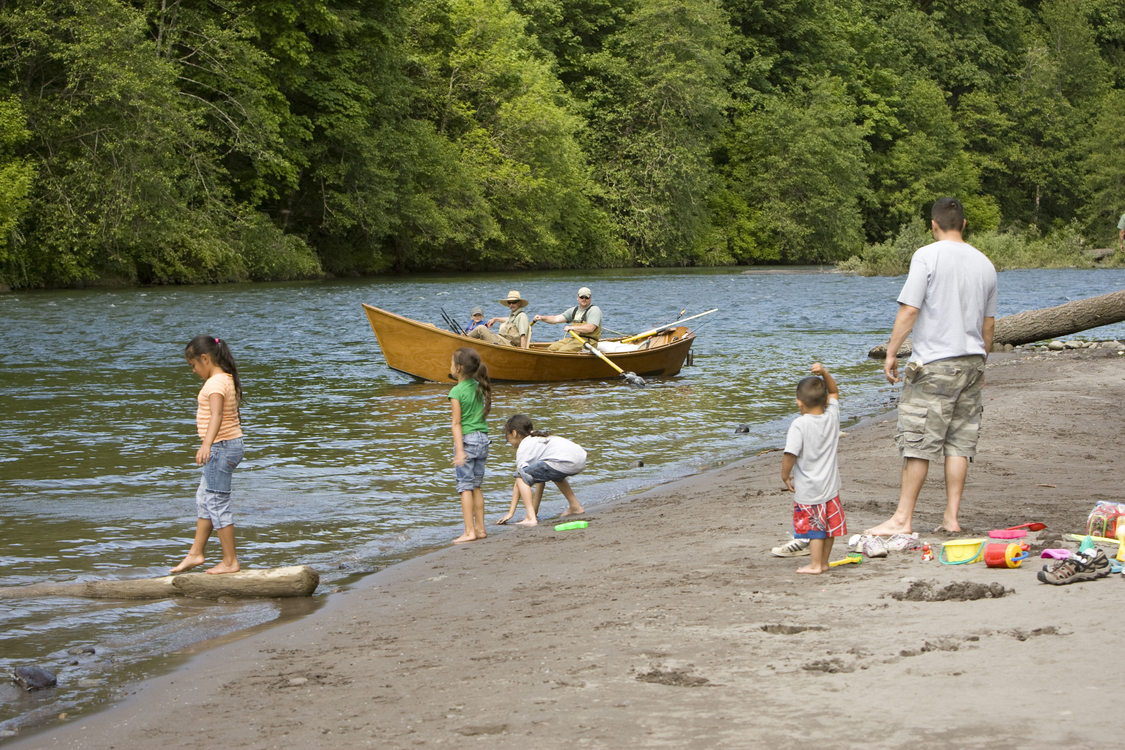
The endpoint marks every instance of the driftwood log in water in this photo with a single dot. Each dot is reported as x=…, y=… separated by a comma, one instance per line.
x=298, y=580
x=1045, y=323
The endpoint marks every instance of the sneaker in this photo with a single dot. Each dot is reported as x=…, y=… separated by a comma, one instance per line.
x=872, y=546
x=1101, y=564
x=900, y=542
x=795, y=548
x=1070, y=570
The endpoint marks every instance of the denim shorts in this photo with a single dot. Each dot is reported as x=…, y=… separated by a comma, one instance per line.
x=470, y=475
x=212, y=499
x=940, y=408
x=540, y=471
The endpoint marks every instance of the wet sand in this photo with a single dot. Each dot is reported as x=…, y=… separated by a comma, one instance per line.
x=667, y=623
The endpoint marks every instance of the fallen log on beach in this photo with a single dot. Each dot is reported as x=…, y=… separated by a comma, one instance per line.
x=1045, y=323
x=297, y=580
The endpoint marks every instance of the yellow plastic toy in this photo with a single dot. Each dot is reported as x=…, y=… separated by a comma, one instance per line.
x=853, y=557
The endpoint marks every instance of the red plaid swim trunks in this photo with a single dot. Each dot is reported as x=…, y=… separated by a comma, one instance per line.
x=819, y=521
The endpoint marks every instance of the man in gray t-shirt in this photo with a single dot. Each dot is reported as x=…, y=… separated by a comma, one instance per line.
x=949, y=300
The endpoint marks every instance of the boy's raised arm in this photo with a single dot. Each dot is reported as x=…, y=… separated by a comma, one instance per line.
x=829, y=381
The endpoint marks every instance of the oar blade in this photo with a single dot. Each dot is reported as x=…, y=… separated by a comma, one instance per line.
x=634, y=379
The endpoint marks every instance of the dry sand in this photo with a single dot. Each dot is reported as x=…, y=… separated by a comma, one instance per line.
x=667, y=623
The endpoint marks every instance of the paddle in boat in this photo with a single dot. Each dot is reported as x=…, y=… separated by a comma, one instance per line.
x=423, y=350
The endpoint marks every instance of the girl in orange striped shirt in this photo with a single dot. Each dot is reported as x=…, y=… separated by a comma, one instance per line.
x=219, y=427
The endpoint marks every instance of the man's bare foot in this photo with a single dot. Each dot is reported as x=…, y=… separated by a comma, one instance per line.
x=224, y=568
x=528, y=522
x=890, y=527
x=569, y=512
x=503, y=519
x=188, y=563
x=465, y=538
x=812, y=570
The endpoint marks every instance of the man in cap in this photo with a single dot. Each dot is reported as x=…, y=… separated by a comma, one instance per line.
x=585, y=319
x=514, y=331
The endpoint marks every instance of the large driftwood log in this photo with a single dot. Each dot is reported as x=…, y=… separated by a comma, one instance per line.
x=1045, y=323
x=298, y=580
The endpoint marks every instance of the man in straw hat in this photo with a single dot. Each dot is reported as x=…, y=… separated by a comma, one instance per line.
x=585, y=319
x=514, y=331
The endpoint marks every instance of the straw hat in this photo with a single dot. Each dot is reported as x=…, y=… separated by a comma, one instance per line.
x=514, y=296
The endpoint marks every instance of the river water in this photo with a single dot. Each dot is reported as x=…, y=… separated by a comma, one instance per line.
x=347, y=462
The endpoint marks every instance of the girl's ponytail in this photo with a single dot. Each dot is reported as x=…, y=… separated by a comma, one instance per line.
x=468, y=361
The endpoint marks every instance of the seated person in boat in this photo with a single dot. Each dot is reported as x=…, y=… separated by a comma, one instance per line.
x=476, y=318
x=585, y=319
x=515, y=329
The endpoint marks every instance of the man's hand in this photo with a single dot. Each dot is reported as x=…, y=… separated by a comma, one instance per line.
x=890, y=367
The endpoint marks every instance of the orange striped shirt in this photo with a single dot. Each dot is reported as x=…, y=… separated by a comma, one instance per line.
x=230, y=427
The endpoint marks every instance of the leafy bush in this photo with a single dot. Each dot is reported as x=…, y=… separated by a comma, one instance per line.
x=1062, y=248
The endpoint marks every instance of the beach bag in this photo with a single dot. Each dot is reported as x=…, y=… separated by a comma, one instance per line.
x=1105, y=518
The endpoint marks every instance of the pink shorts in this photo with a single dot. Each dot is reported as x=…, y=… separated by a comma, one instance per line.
x=819, y=521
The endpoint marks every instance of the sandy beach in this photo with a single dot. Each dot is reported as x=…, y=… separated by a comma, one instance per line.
x=667, y=623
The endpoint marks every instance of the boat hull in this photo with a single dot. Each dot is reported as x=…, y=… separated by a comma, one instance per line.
x=423, y=350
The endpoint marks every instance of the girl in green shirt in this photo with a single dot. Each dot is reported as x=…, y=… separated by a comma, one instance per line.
x=471, y=400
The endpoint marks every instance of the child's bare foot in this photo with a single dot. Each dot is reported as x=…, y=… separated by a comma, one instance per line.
x=503, y=519
x=224, y=568
x=528, y=522
x=465, y=538
x=812, y=569
x=573, y=512
x=890, y=527
x=188, y=563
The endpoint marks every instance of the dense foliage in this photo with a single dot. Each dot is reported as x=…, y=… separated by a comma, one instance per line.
x=184, y=140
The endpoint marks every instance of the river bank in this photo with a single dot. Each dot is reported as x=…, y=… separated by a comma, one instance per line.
x=666, y=623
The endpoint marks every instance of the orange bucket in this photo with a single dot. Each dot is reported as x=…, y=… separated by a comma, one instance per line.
x=1003, y=555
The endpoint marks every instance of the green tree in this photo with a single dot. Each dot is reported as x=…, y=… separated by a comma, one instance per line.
x=493, y=95
x=15, y=184
x=797, y=178
x=660, y=106
x=1104, y=169
x=925, y=161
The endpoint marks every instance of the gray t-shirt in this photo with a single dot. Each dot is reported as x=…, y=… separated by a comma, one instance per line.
x=953, y=285
x=1121, y=223
x=812, y=438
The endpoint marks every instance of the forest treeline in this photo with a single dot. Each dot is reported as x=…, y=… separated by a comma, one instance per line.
x=177, y=141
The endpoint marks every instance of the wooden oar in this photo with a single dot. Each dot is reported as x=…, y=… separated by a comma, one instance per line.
x=630, y=377
x=665, y=327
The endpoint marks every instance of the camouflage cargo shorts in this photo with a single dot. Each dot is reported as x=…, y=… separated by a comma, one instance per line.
x=940, y=408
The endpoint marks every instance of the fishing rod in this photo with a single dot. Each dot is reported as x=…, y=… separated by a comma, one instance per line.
x=453, y=324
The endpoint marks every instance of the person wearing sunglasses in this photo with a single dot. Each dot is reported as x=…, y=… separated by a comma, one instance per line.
x=585, y=319
x=515, y=330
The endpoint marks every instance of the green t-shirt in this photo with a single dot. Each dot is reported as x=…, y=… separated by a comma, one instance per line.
x=472, y=406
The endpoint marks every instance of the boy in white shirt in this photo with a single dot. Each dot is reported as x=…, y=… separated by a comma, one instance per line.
x=809, y=468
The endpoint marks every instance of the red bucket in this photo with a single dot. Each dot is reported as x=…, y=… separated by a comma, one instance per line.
x=1003, y=555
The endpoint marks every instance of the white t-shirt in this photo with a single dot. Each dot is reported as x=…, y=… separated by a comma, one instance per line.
x=812, y=438
x=557, y=452
x=953, y=285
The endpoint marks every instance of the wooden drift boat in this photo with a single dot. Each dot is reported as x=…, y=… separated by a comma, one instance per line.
x=423, y=350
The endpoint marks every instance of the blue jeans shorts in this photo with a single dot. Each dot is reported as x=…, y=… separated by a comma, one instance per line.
x=540, y=471
x=212, y=499
x=470, y=475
